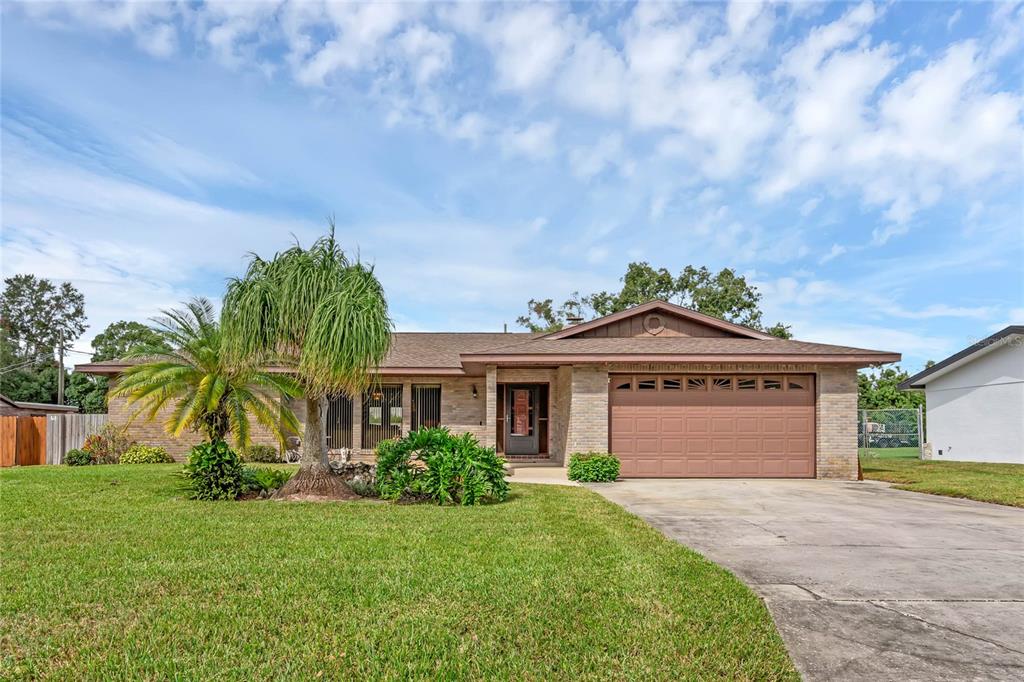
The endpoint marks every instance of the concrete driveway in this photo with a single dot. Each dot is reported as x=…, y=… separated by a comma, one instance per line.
x=864, y=582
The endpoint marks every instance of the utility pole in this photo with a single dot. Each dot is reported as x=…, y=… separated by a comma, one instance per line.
x=60, y=369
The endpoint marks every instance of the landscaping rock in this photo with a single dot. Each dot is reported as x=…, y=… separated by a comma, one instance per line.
x=355, y=471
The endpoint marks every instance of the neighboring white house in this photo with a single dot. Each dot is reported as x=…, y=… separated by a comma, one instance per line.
x=975, y=401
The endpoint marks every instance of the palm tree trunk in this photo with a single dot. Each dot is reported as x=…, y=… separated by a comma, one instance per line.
x=315, y=480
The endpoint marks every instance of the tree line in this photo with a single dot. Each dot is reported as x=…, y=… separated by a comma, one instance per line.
x=37, y=317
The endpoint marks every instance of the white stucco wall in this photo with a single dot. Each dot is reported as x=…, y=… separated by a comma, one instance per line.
x=976, y=411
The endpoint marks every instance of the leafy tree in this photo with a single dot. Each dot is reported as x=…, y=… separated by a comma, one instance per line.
x=878, y=390
x=324, y=317
x=36, y=315
x=723, y=294
x=120, y=337
x=88, y=392
x=208, y=392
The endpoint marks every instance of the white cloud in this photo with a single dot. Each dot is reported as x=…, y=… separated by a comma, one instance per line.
x=535, y=141
x=527, y=43
x=597, y=254
x=471, y=126
x=586, y=162
x=833, y=253
x=807, y=208
x=431, y=52
x=878, y=337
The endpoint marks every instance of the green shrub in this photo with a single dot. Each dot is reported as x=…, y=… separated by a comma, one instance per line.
x=214, y=472
x=146, y=454
x=258, y=479
x=266, y=454
x=447, y=469
x=107, y=446
x=77, y=458
x=363, y=488
x=593, y=467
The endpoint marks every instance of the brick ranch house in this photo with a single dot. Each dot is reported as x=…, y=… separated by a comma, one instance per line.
x=671, y=392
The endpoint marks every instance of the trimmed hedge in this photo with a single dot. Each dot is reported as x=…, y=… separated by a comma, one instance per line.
x=267, y=454
x=593, y=467
x=77, y=458
x=145, y=454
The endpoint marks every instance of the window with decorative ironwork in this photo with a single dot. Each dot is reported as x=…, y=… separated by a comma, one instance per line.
x=382, y=414
x=426, y=406
x=339, y=423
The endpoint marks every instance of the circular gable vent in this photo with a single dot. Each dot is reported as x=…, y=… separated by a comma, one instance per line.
x=653, y=324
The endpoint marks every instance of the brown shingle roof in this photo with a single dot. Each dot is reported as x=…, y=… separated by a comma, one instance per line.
x=445, y=352
x=442, y=349
x=676, y=345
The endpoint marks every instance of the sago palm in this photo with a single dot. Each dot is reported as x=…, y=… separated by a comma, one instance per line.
x=204, y=390
x=325, y=318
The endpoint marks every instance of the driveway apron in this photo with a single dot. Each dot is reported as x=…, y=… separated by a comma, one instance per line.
x=864, y=582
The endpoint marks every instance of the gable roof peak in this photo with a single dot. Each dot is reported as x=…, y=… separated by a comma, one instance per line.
x=664, y=306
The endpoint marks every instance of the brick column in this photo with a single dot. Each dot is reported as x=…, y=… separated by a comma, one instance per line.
x=490, y=438
x=588, y=412
x=406, y=407
x=836, y=431
x=357, y=422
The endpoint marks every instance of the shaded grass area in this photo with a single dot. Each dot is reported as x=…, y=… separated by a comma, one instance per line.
x=985, y=482
x=108, y=573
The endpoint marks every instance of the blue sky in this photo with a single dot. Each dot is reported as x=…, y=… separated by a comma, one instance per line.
x=861, y=163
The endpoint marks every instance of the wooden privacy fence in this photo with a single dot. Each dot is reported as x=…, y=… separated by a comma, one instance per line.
x=44, y=439
x=22, y=440
x=68, y=431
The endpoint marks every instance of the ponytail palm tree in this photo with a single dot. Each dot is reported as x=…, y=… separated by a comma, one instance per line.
x=205, y=391
x=325, y=318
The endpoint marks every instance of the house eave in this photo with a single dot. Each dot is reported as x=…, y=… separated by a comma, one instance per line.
x=576, y=358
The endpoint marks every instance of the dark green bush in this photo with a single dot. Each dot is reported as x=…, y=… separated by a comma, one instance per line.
x=266, y=454
x=77, y=458
x=593, y=467
x=214, y=472
x=145, y=454
x=446, y=468
x=258, y=479
x=363, y=488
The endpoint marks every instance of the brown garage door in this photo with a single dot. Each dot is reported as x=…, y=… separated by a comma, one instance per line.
x=698, y=425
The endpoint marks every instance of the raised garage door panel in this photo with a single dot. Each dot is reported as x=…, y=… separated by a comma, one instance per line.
x=736, y=426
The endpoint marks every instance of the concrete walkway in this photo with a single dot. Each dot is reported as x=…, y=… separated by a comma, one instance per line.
x=547, y=474
x=864, y=582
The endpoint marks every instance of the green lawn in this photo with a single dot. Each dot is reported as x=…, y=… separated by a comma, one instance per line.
x=889, y=453
x=999, y=483
x=108, y=573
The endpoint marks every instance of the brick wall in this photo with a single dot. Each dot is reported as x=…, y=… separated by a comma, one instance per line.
x=578, y=411
x=588, y=411
x=460, y=411
x=151, y=432
x=837, y=423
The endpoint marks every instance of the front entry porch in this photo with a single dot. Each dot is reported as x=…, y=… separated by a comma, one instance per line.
x=523, y=421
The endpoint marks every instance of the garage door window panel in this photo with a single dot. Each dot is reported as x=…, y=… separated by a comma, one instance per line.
x=746, y=384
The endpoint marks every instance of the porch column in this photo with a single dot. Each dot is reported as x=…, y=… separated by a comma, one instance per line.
x=406, y=407
x=357, y=423
x=491, y=408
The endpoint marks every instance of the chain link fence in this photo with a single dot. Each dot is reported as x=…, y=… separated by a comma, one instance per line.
x=890, y=433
